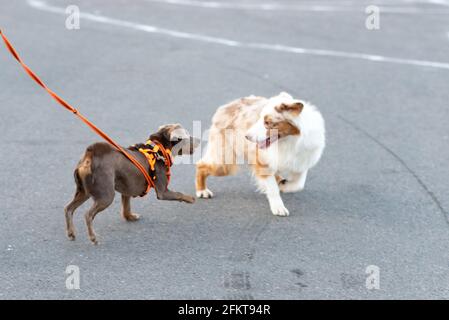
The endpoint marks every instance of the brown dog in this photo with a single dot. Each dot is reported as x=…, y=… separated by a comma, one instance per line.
x=104, y=170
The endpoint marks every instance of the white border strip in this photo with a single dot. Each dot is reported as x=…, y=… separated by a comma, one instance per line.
x=41, y=5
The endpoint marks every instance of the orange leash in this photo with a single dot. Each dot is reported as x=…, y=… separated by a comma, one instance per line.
x=79, y=115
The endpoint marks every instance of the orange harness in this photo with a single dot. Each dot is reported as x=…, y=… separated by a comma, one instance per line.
x=66, y=105
x=155, y=151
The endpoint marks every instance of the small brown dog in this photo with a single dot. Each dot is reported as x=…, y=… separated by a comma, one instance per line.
x=104, y=170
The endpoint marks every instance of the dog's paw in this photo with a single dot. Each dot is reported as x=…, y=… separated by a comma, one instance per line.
x=206, y=193
x=132, y=217
x=71, y=236
x=93, y=240
x=279, y=210
x=189, y=199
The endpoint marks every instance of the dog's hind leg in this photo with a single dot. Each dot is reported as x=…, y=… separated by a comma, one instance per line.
x=80, y=197
x=203, y=170
x=98, y=206
x=103, y=194
x=126, y=209
x=219, y=160
x=95, y=175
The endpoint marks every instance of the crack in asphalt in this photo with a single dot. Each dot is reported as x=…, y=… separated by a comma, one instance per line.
x=354, y=126
x=426, y=189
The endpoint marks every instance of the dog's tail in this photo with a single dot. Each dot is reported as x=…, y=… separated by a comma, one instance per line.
x=83, y=173
x=78, y=181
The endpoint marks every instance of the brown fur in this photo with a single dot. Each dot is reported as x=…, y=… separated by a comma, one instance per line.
x=261, y=170
x=286, y=128
x=238, y=116
x=295, y=108
x=266, y=134
x=217, y=170
x=103, y=170
x=283, y=127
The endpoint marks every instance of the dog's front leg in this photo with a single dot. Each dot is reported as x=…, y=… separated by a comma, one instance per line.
x=126, y=209
x=294, y=183
x=162, y=191
x=173, y=195
x=271, y=188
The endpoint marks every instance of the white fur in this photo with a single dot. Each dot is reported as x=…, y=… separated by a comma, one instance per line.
x=299, y=154
x=289, y=158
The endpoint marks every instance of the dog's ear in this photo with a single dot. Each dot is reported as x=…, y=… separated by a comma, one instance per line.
x=294, y=108
x=162, y=135
x=166, y=133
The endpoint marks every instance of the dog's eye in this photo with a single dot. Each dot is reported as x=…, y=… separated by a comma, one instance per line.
x=269, y=124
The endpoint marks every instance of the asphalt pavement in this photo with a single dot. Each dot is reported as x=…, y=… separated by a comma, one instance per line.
x=379, y=196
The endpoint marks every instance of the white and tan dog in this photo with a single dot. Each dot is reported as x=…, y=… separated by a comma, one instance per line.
x=281, y=138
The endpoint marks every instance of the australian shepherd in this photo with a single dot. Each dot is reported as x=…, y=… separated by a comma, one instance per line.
x=280, y=138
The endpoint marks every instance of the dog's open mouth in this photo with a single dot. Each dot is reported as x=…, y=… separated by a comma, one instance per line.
x=267, y=142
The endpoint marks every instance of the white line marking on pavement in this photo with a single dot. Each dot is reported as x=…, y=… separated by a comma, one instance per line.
x=41, y=5
x=311, y=7
x=440, y=2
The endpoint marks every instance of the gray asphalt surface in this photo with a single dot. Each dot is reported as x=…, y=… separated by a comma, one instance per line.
x=379, y=196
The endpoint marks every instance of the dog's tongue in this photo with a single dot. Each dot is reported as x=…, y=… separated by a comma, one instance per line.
x=264, y=144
